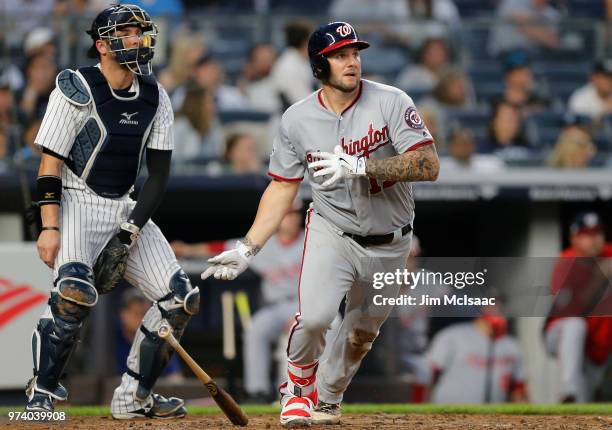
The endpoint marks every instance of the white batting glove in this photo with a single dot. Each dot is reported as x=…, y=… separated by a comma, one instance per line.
x=229, y=264
x=339, y=165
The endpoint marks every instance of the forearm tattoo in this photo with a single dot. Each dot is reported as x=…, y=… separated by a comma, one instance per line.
x=412, y=166
x=254, y=249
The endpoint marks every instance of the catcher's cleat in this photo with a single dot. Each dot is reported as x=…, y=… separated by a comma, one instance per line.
x=59, y=393
x=161, y=407
x=326, y=413
x=39, y=402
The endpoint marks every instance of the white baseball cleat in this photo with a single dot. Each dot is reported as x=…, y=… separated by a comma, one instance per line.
x=160, y=407
x=326, y=413
x=296, y=412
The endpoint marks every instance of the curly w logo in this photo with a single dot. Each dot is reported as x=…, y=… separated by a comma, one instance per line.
x=16, y=300
x=344, y=30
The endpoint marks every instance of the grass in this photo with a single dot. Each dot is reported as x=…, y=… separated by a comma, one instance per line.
x=370, y=408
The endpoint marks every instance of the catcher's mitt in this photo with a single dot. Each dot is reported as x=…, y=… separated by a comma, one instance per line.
x=110, y=265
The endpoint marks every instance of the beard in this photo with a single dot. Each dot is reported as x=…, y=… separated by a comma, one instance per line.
x=338, y=85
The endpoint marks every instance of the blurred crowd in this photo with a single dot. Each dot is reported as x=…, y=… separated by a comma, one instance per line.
x=500, y=83
x=451, y=360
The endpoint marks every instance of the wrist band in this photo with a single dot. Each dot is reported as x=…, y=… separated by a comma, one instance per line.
x=49, y=190
x=51, y=228
x=128, y=233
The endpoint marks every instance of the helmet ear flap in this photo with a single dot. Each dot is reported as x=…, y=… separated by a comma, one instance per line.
x=320, y=67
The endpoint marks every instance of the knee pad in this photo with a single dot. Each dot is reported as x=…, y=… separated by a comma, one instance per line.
x=184, y=294
x=73, y=294
x=181, y=303
x=55, y=338
x=75, y=284
x=176, y=307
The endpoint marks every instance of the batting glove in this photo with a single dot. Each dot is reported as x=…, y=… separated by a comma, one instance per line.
x=339, y=165
x=229, y=264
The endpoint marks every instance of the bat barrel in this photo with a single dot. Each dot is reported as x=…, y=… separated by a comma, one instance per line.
x=227, y=404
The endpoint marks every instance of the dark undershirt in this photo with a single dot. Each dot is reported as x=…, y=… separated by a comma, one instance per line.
x=154, y=188
x=124, y=93
x=152, y=192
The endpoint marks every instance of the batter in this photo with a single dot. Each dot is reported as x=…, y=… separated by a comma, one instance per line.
x=361, y=143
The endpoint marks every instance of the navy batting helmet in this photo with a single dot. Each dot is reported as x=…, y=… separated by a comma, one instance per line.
x=113, y=19
x=328, y=38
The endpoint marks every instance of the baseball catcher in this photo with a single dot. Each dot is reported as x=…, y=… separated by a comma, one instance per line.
x=101, y=122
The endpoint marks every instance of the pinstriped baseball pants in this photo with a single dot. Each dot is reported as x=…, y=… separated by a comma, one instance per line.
x=87, y=223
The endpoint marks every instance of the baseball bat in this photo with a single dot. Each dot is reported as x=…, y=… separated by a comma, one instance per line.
x=229, y=330
x=244, y=310
x=228, y=405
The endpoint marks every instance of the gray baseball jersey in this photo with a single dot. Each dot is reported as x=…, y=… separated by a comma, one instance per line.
x=382, y=122
x=461, y=353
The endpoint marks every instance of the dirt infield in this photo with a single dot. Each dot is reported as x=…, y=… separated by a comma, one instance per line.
x=352, y=421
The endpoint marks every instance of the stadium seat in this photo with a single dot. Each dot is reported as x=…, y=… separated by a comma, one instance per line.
x=487, y=80
x=475, y=120
x=585, y=9
x=529, y=158
x=604, y=137
x=562, y=90
x=417, y=95
x=566, y=68
x=300, y=6
x=383, y=61
x=229, y=48
x=486, y=71
x=485, y=91
x=475, y=8
x=562, y=78
x=475, y=42
x=542, y=128
x=229, y=116
x=232, y=54
x=578, y=42
x=240, y=6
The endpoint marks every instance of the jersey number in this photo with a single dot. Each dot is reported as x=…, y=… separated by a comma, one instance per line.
x=375, y=187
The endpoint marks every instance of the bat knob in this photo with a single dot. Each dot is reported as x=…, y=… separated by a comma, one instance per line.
x=164, y=331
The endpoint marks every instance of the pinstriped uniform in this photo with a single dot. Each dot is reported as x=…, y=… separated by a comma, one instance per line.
x=63, y=121
x=88, y=221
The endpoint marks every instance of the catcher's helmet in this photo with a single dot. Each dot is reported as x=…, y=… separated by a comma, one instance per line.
x=328, y=38
x=113, y=19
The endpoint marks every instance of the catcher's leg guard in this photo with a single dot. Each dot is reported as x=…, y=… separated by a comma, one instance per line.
x=177, y=307
x=56, y=334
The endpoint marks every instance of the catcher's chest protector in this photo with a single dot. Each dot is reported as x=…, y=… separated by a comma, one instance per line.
x=108, y=150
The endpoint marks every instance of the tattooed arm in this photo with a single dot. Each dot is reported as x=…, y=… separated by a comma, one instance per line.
x=421, y=164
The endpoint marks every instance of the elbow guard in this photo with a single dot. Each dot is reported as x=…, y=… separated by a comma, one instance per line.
x=49, y=190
